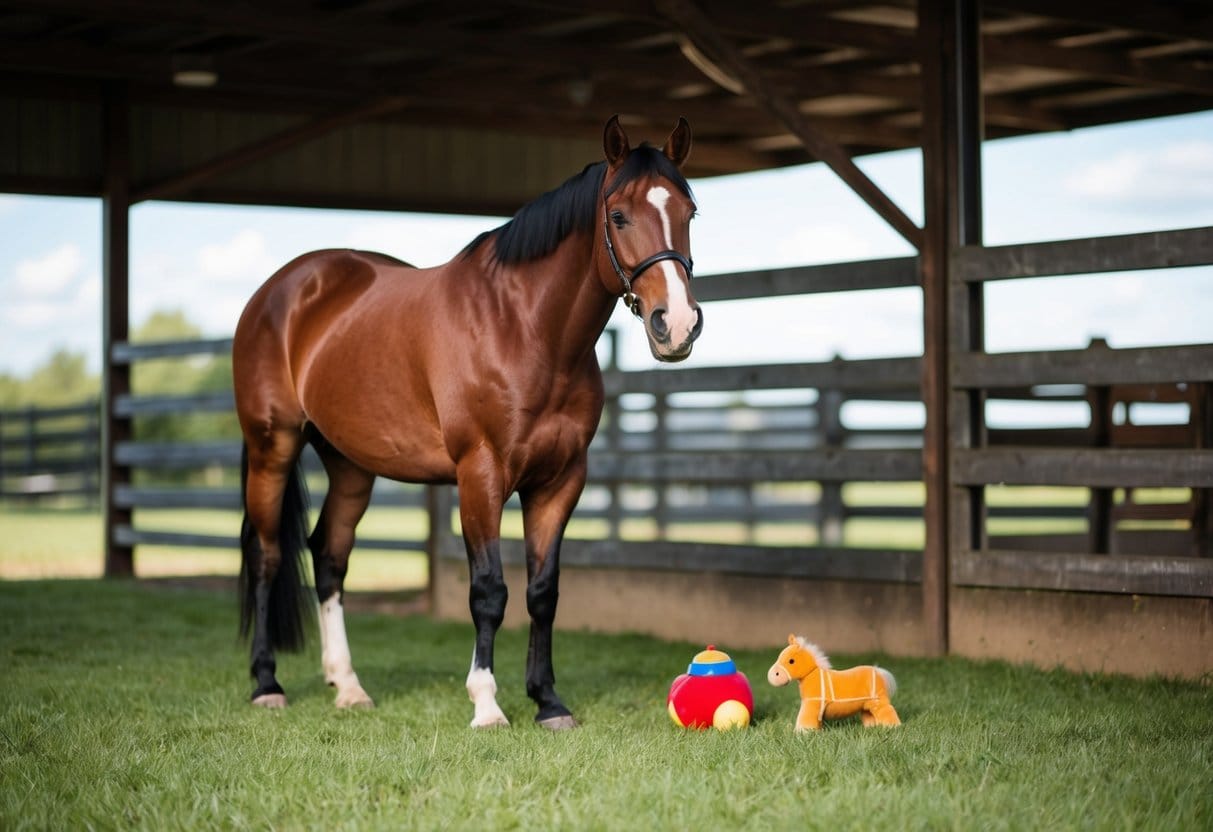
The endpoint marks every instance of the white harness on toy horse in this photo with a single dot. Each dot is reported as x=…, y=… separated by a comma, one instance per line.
x=825, y=678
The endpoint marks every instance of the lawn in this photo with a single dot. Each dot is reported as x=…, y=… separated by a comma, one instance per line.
x=124, y=706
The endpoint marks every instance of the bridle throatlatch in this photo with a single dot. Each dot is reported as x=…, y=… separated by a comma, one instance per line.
x=629, y=297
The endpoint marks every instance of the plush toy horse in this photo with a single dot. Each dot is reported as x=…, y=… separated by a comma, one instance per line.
x=826, y=693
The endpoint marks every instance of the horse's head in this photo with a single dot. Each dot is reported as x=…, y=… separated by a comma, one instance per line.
x=647, y=209
x=797, y=660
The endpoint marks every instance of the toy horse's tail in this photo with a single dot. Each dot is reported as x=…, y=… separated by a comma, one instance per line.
x=889, y=682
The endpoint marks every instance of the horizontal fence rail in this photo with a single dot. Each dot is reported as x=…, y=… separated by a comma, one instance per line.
x=1127, y=541
x=50, y=453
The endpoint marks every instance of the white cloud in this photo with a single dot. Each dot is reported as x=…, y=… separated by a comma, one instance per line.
x=51, y=274
x=243, y=256
x=1180, y=171
x=31, y=313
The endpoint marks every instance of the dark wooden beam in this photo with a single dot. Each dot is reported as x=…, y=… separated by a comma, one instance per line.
x=1101, y=64
x=1140, y=575
x=1124, y=252
x=688, y=17
x=115, y=323
x=1090, y=467
x=895, y=272
x=1172, y=19
x=950, y=44
x=258, y=150
x=1096, y=365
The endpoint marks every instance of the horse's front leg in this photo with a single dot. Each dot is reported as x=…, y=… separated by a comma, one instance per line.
x=480, y=503
x=545, y=513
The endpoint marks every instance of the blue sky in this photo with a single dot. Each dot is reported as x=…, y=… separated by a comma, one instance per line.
x=206, y=260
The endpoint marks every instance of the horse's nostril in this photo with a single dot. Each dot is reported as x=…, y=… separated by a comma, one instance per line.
x=698, y=328
x=658, y=324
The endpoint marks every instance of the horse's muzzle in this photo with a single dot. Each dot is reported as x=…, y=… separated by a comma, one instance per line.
x=661, y=338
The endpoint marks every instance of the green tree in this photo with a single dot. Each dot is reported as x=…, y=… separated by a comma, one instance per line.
x=186, y=376
x=63, y=379
x=11, y=391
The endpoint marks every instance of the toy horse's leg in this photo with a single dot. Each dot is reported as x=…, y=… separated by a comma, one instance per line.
x=809, y=717
x=880, y=712
x=480, y=503
x=331, y=542
x=545, y=512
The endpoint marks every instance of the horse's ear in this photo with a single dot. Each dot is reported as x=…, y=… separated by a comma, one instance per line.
x=791, y=638
x=615, y=142
x=678, y=146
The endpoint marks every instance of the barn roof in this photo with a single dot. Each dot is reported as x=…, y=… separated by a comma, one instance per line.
x=478, y=106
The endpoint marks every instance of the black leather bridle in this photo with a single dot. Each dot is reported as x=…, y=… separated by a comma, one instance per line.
x=629, y=297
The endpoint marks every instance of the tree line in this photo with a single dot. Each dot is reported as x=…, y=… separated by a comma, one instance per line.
x=65, y=379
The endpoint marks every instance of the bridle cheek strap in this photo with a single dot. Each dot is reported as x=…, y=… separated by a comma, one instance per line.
x=629, y=297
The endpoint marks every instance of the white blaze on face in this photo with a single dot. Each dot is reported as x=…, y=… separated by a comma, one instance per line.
x=680, y=317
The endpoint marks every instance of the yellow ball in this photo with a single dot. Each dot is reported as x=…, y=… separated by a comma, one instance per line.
x=731, y=714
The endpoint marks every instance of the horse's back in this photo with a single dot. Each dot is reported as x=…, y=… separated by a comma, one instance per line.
x=288, y=317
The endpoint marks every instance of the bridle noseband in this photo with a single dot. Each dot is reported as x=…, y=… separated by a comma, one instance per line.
x=629, y=297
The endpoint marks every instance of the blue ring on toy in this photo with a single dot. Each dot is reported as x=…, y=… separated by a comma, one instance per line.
x=712, y=668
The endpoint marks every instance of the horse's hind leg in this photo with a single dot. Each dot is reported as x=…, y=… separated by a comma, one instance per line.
x=331, y=542
x=275, y=514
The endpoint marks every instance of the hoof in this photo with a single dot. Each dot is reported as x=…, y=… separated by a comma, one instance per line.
x=557, y=723
x=270, y=700
x=355, y=698
x=490, y=720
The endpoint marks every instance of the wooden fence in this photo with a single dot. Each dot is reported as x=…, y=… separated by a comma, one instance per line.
x=1129, y=546
x=48, y=454
x=663, y=453
x=761, y=446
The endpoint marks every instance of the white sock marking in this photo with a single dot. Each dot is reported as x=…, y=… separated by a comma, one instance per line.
x=335, y=650
x=482, y=690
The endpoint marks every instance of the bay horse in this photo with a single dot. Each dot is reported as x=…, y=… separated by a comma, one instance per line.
x=481, y=372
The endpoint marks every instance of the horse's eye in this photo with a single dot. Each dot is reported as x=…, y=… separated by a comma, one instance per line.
x=619, y=219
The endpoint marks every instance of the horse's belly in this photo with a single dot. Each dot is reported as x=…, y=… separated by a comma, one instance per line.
x=391, y=435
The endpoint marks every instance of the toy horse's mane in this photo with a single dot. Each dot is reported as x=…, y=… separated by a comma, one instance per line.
x=819, y=656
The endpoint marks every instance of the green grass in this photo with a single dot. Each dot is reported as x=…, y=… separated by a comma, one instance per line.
x=125, y=707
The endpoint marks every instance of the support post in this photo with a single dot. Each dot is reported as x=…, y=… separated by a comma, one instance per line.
x=949, y=43
x=116, y=380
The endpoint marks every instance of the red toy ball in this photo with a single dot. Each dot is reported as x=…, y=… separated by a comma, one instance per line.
x=712, y=693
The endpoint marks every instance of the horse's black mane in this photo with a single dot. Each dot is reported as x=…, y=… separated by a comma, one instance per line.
x=541, y=225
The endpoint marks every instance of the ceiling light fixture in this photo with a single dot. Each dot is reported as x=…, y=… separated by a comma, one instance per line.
x=194, y=71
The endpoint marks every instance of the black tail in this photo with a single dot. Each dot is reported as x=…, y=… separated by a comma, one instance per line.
x=289, y=604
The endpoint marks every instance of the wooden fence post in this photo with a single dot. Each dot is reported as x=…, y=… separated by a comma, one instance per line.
x=949, y=42
x=116, y=376
x=830, y=515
